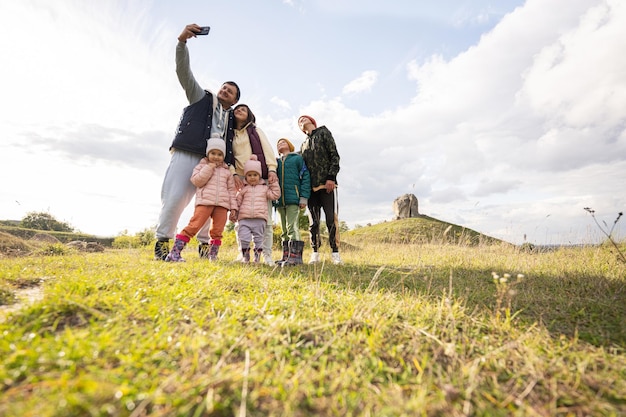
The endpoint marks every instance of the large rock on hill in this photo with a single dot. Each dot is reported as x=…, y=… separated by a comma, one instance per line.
x=405, y=207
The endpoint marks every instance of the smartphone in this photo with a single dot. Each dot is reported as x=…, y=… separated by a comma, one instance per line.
x=204, y=30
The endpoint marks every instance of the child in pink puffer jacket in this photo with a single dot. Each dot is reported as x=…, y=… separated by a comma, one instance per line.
x=252, y=211
x=215, y=195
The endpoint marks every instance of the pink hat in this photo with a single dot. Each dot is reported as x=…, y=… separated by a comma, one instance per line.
x=253, y=164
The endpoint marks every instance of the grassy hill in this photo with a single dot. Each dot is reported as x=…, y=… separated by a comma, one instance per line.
x=31, y=236
x=423, y=229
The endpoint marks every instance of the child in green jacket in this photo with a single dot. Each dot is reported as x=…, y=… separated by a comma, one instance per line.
x=295, y=184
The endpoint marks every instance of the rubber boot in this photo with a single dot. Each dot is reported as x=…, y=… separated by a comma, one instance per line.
x=245, y=255
x=174, y=255
x=295, y=253
x=285, y=252
x=214, y=248
x=257, y=255
x=213, y=251
x=161, y=249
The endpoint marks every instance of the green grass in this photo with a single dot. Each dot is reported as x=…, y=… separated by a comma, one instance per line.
x=399, y=329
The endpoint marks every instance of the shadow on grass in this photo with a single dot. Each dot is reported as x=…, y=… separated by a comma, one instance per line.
x=592, y=308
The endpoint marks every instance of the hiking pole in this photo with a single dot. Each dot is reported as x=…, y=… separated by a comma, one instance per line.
x=336, y=208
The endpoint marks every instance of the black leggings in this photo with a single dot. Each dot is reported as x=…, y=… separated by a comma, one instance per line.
x=322, y=200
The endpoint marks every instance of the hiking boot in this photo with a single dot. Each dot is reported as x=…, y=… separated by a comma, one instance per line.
x=203, y=250
x=161, y=249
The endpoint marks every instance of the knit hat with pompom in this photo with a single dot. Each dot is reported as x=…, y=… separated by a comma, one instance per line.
x=253, y=164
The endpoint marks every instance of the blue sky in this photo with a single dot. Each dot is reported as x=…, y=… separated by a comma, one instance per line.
x=503, y=116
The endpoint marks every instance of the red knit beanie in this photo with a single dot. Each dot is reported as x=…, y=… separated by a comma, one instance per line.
x=308, y=117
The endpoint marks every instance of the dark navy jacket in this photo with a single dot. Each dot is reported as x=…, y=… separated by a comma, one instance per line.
x=194, y=129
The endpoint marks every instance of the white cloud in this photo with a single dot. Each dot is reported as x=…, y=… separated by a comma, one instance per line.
x=283, y=104
x=364, y=83
x=579, y=79
x=506, y=124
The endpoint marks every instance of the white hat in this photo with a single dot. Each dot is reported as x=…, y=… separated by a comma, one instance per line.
x=216, y=143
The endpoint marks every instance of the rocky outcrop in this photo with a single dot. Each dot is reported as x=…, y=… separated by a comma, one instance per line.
x=405, y=207
x=86, y=246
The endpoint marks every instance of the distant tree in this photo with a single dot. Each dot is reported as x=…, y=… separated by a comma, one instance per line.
x=143, y=238
x=146, y=236
x=44, y=221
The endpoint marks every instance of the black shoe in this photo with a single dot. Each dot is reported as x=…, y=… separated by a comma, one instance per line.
x=203, y=250
x=161, y=250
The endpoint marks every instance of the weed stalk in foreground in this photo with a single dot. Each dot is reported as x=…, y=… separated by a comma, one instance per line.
x=504, y=294
x=608, y=232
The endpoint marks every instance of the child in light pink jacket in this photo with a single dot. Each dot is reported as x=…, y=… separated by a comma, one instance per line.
x=252, y=211
x=215, y=195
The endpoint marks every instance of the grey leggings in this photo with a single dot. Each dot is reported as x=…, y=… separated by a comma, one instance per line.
x=249, y=230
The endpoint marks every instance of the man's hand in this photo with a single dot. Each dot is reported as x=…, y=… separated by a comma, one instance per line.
x=330, y=186
x=238, y=182
x=189, y=32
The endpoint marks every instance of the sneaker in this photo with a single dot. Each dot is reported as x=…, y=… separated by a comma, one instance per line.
x=335, y=257
x=315, y=258
x=268, y=260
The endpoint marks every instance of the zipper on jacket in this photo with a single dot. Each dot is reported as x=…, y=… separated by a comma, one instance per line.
x=217, y=194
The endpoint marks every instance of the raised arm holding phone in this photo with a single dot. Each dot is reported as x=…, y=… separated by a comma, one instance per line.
x=208, y=115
